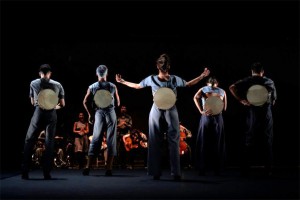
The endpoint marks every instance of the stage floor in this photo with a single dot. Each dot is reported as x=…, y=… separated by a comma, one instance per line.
x=136, y=184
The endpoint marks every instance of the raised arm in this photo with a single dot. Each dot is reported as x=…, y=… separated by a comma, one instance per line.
x=204, y=74
x=129, y=84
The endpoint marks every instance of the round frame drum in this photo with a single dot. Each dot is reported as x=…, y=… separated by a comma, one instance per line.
x=103, y=98
x=257, y=95
x=215, y=104
x=47, y=99
x=164, y=98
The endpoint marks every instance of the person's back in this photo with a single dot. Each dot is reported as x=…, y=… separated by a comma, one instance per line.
x=163, y=112
x=258, y=138
x=103, y=93
x=46, y=95
x=211, y=101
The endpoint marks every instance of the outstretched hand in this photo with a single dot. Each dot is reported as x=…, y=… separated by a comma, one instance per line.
x=206, y=72
x=119, y=78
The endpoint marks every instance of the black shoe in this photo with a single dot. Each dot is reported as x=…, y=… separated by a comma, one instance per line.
x=86, y=171
x=47, y=176
x=156, y=177
x=108, y=173
x=177, y=178
x=25, y=175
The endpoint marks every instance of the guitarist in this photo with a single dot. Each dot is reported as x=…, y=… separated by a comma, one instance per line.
x=124, y=124
x=132, y=146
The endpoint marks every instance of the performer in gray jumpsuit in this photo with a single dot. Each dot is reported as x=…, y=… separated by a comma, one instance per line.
x=159, y=117
x=42, y=119
x=104, y=117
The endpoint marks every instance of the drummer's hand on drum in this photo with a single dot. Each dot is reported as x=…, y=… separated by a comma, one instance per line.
x=245, y=102
x=207, y=112
x=57, y=107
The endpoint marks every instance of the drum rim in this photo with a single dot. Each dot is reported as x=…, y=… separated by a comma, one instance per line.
x=173, y=97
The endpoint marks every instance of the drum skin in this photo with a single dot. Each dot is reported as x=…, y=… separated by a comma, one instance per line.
x=103, y=98
x=164, y=98
x=47, y=99
x=215, y=104
x=257, y=95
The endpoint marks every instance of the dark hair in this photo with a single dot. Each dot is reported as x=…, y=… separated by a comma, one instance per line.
x=45, y=68
x=167, y=59
x=101, y=70
x=212, y=80
x=257, y=67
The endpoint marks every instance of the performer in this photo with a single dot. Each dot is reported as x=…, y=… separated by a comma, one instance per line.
x=167, y=114
x=39, y=149
x=183, y=129
x=104, y=116
x=124, y=127
x=81, y=130
x=44, y=115
x=185, y=148
x=259, y=119
x=210, y=143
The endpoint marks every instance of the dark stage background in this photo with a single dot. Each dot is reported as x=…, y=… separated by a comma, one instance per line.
x=74, y=37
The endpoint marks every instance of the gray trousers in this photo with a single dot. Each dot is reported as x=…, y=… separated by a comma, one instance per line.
x=40, y=118
x=104, y=118
x=157, y=119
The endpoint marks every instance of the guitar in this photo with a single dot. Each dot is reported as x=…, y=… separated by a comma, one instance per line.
x=183, y=146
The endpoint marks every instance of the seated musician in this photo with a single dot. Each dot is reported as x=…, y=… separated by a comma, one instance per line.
x=185, y=148
x=39, y=149
x=135, y=143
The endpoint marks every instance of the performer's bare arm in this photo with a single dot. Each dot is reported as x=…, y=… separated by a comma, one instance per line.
x=233, y=91
x=204, y=74
x=119, y=79
x=85, y=103
x=32, y=101
x=60, y=105
x=197, y=99
x=225, y=101
x=117, y=97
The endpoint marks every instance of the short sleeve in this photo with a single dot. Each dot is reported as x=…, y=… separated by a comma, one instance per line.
x=146, y=82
